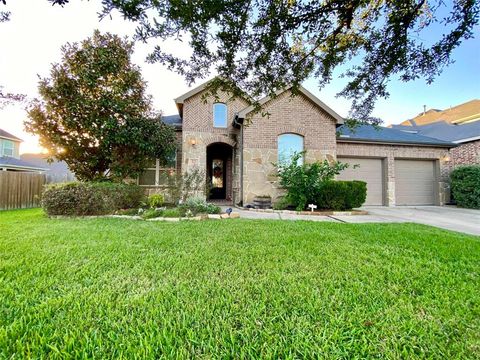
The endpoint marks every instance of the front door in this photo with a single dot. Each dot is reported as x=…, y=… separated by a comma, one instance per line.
x=217, y=179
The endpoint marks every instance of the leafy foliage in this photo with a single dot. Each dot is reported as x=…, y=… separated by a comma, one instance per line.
x=341, y=195
x=304, y=181
x=465, y=185
x=265, y=45
x=155, y=200
x=197, y=205
x=80, y=199
x=184, y=186
x=95, y=115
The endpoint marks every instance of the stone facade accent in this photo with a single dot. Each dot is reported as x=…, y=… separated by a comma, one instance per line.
x=290, y=114
x=391, y=152
x=465, y=154
x=198, y=128
x=286, y=114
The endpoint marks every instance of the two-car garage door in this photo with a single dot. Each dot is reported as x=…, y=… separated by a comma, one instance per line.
x=414, y=180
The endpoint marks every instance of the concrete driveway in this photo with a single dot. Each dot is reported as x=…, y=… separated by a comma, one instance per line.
x=445, y=217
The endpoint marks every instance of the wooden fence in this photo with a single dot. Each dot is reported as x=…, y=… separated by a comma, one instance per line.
x=20, y=189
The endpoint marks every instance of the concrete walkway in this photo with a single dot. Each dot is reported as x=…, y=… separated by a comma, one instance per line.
x=445, y=217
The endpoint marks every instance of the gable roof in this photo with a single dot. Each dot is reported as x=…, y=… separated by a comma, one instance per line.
x=339, y=120
x=444, y=131
x=379, y=134
x=7, y=135
x=463, y=113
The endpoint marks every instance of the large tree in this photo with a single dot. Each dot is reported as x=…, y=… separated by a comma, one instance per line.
x=263, y=45
x=94, y=113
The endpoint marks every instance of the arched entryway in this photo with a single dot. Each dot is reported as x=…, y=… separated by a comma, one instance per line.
x=219, y=171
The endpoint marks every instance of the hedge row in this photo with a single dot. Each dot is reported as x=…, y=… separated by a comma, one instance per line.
x=341, y=195
x=465, y=185
x=80, y=199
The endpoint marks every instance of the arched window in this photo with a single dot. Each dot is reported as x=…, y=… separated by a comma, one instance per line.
x=219, y=115
x=289, y=144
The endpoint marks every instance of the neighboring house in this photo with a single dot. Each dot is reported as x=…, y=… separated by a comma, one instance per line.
x=236, y=148
x=10, y=155
x=460, y=114
x=56, y=171
x=460, y=125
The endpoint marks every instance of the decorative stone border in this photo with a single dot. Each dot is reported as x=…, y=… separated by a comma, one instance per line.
x=233, y=215
x=314, y=213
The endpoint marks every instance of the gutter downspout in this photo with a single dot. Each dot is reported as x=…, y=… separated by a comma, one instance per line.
x=241, y=165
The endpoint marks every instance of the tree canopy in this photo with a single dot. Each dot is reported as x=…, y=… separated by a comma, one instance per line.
x=94, y=113
x=264, y=45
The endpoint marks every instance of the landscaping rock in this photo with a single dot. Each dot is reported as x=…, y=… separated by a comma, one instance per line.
x=234, y=215
x=224, y=216
x=214, y=216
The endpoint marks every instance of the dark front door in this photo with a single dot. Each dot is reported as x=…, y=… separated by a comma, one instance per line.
x=218, y=183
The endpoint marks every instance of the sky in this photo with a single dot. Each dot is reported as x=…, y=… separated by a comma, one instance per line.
x=30, y=42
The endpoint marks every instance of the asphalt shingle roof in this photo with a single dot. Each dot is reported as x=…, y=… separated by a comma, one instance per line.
x=444, y=131
x=11, y=161
x=174, y=120
x=381, y=134
x=6, y=134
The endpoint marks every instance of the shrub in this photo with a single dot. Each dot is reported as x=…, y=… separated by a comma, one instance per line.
x=303, y=181
x=465, y=185
x=171, y=213
x=152, y=213
x=197, y=205
x=80, y=199
x=183, y=186
x=341, y=195
x=155, y=200
x=281, y=204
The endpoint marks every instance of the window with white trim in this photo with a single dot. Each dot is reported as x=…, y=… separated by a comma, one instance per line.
x=219, y=115
x=288, y=145
x=8, y=148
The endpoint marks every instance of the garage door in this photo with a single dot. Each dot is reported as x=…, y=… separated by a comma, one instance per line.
x=370, y=171
x=414, y=182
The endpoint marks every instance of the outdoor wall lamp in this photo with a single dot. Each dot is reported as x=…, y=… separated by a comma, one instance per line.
x=446, y=158
x=193, y=141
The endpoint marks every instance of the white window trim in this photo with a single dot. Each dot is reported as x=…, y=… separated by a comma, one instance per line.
x=4, y=147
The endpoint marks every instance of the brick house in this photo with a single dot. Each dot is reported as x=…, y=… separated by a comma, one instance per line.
x=236, y=148
x=10, y=159
x=464, y=133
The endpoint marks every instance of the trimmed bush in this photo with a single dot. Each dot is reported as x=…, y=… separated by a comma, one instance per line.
x=465, y=185
x=341, y=195
x=80, y=199
x=156, y=200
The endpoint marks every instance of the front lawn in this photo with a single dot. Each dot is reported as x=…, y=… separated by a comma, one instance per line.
x=114, y=288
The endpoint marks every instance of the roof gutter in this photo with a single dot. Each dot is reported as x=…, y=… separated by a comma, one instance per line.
x=370, y=141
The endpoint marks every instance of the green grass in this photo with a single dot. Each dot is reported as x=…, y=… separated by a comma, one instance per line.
x=114, y=288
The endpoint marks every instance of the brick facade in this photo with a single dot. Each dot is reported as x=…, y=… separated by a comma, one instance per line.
x=466, y=154
x=286, y=114
x=259, y=146
x=391, y=152
x=198, y=128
